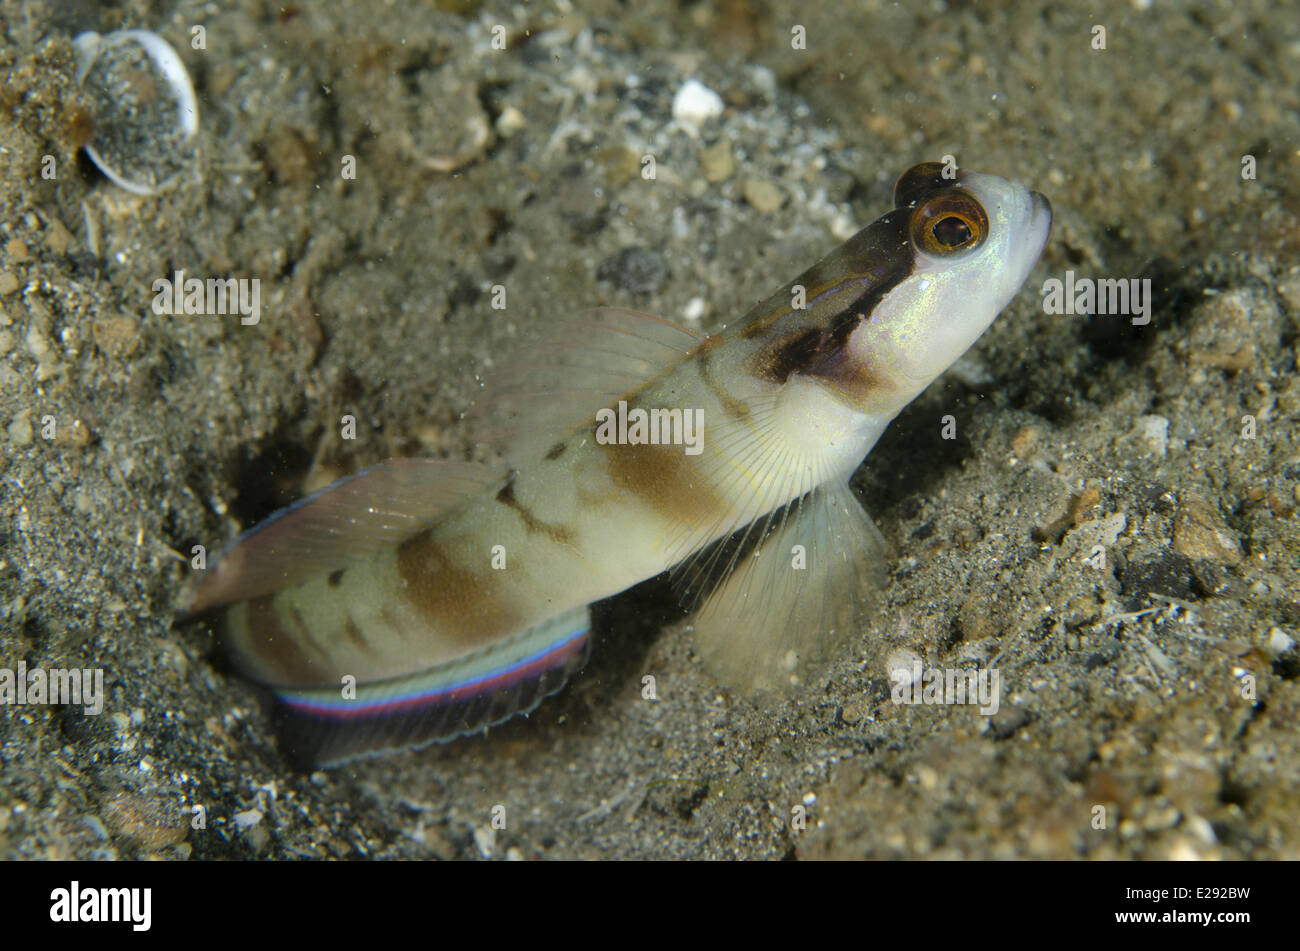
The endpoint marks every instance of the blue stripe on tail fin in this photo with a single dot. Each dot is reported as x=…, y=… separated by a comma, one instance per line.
x=321, y=727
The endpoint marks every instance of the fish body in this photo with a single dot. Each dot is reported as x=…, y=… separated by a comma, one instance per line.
x=421, y=600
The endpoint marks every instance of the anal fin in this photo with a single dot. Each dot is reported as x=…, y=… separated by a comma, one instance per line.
x=326, y=727
x=795, y=590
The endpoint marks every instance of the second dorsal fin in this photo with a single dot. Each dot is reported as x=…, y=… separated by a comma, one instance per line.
x=339, y=525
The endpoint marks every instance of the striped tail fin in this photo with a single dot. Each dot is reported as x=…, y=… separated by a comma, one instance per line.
x=329, y=726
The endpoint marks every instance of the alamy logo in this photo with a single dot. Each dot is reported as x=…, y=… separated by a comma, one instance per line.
x=1105, y=297
x=103, y=904
x=653, y=427
x=947, y=685
x=82, y=687
x=211, y=298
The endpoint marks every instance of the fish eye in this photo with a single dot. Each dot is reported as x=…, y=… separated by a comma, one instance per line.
x=948, y=224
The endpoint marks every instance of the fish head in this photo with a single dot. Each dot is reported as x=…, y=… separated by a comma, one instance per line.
x=966, y=241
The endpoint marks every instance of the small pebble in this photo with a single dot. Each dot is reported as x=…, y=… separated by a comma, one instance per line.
x=1279, y=642
x=37, y=345
x=717, y=163
x=695, y=104
x=635, y=270
x=1200, y=532
x=1154, y=432
x=152, y=823
x=57, y=237
x=764, y=196
x=1160, y=819
x=1200, y=828
x=1025, y=440
x=485, y=838
x=246, y=820
x=1165, y=573
x=510, y=121
x=20, y=431
x=116, y=335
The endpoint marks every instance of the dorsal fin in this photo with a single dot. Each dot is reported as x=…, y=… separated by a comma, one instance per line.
x=549, y=389
x=338, y=526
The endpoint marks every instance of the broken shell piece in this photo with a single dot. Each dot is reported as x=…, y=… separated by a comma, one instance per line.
x=143, y=106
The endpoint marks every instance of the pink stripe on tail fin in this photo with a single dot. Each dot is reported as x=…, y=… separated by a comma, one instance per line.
x=322, y=727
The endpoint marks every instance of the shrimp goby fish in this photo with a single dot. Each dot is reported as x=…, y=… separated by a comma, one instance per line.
x=421, y=600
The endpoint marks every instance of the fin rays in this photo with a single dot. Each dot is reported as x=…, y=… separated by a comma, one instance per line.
x=795, y=584
x=438, y=705
x=583, y=364
x=338, y=526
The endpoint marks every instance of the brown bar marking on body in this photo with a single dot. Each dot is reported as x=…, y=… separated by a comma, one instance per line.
x=819, y=350
x=336, y=577
x=792, y=353
x=864, y=385
x=823, y=355
x=667, y=479
x=557, y=533
x=389, y=617
x=353, y=634
x=455, y=602
x=556, y=451
x=733, y=407
x=877, y=258
x=704, y=349
x=274, y=646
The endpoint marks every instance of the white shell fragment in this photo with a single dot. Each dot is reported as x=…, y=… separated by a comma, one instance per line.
x=143, y=106
x=695, y=104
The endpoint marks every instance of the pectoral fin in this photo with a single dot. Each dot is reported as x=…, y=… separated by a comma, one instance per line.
x=796, y=587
